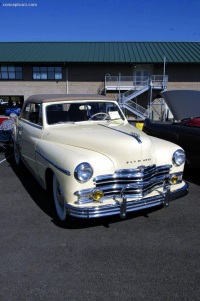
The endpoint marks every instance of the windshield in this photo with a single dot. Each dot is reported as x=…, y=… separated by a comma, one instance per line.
x=83, y=111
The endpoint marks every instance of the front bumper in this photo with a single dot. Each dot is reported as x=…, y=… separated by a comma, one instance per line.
x=123, y=206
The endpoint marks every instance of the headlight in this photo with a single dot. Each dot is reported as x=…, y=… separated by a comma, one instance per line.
x=83, y=172
x=178, y=157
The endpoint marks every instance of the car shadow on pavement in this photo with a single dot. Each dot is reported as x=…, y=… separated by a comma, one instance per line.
x=36, y=192
x=44, y=201
x=191, y=175
x=79, y=223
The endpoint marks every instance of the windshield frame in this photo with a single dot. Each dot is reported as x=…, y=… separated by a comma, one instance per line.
x=85, y=111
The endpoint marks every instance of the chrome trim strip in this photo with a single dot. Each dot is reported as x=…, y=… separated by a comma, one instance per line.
x=101, y=210
x=133, y=174
x=136, y=190
x=134, y=135
x=142, y=185
x=133, y=190
x=143, y=169
x=54, y=164
x=31, y=123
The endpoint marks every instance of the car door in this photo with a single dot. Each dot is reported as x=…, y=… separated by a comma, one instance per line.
x=29, y=132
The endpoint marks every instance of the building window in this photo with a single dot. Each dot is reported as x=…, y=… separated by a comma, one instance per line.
x=10, y=72
x=47, y=73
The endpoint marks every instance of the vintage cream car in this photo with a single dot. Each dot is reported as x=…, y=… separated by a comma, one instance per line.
x=95, y=163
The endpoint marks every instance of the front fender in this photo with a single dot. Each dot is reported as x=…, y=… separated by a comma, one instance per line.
x=62, y=160
x=164, y=152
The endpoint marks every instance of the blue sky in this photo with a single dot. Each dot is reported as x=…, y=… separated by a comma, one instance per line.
x=103, y=20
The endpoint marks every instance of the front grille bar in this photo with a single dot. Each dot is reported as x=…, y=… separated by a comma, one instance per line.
x=133, y=175
x=141, y=180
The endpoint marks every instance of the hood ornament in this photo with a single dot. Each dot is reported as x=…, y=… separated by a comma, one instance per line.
x=136, y=136
x=132, y=134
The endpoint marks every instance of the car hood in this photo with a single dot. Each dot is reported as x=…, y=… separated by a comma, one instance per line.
x=183, y=103
x=118, y=142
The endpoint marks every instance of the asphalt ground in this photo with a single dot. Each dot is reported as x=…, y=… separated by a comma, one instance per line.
x=151, y=255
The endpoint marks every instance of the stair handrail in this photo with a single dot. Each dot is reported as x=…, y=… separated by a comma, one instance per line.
x=159, y=80
x=142, y=113
x=137, y=88
x=137, y=107
x=101, y=88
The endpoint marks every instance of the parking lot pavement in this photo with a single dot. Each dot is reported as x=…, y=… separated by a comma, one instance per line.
x=151, y=255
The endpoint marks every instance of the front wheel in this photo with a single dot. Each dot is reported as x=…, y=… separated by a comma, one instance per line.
x=58, y=199
x=16, y=153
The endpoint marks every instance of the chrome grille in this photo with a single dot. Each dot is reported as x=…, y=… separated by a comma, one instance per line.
x=134, y=182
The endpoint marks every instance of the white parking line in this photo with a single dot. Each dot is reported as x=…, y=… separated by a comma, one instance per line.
x=5, y=159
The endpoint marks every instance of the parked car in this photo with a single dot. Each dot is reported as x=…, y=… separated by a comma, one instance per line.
x=185, y=131
x=96, y=163
x=16, y=110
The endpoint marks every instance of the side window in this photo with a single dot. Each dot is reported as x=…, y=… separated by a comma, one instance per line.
x=33, y=113
x=26, y=112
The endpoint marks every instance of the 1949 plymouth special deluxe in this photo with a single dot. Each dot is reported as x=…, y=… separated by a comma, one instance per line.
x=94, y=161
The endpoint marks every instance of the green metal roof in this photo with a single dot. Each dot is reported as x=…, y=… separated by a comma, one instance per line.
x=100, y=52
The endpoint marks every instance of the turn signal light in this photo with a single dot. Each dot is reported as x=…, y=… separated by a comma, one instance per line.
x=97, y=194
x=174, y=179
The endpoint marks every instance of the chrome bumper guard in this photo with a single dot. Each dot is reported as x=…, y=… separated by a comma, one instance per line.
x=122, y=206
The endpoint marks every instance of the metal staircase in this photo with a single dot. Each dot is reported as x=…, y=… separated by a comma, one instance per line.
x=126, y=99
x=137, y=88
x=138, y=110
x=135, y=91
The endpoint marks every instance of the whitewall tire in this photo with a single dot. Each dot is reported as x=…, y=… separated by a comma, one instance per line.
x=58, y=199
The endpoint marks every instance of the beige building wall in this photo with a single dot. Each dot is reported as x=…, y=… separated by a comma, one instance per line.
x=181, y=76
x=89, y=78
x=184, y=86
x=26, y=88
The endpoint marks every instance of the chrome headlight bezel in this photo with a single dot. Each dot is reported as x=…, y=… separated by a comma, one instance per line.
x=83, y=172
x=178, y=157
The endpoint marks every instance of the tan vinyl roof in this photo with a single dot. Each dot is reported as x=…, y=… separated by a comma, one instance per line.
x=65, y=97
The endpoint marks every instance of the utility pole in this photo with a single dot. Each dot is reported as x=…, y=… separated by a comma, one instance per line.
x=164, y=117
x=164, y=63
